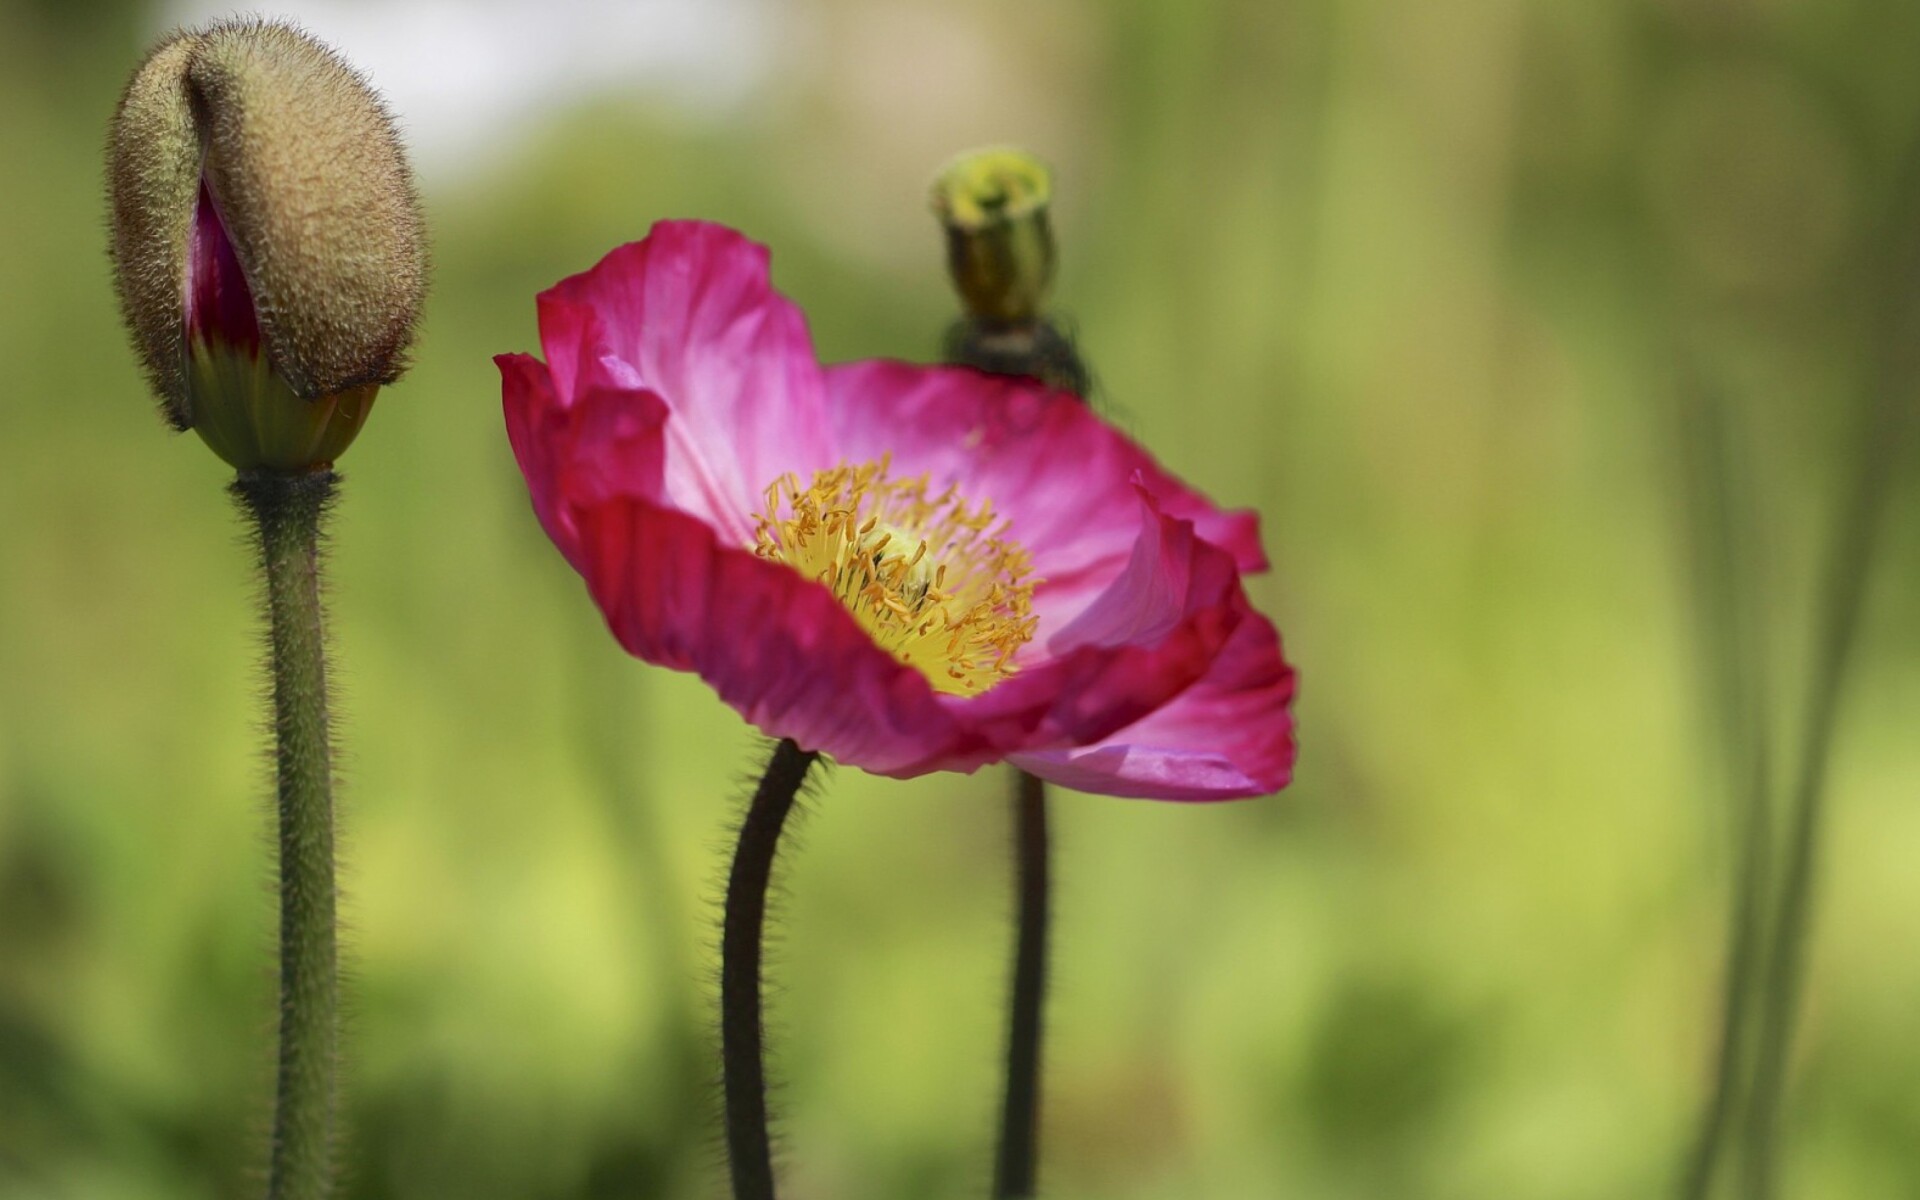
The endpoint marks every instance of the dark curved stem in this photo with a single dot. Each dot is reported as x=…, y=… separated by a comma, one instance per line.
x=287, y=510
x=1015, y=1167
x=1742, y=967
x=1721, y=526
x=1846, y=586
x=1889, y=418
x=742, y=1034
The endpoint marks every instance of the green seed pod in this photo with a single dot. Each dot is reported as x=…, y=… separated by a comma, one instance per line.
x=993, y=203
x=268, y=247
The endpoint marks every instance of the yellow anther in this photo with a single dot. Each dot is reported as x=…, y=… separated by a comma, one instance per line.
x=837, y=530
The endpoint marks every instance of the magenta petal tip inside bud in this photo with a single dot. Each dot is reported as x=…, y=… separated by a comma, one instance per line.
x=219, y=305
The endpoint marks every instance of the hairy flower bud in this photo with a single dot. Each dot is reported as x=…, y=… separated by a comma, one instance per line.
x=267, y=246
x=993, y=203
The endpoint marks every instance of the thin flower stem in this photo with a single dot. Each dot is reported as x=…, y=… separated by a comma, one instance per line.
x=742, y=1034
x=1888, y=271
x=1016, y=1165
x=1748, y=904
x=1845, y=591
x=1733, y=664
x=287, y=511
x=1036, y=350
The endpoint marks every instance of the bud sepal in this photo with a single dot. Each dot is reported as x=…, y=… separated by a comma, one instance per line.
x=1000, y=252
x=268, y=247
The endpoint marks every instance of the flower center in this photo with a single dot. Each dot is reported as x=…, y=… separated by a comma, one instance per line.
x=931, y=579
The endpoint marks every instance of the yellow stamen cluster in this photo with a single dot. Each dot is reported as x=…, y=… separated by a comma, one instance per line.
x=932, y=580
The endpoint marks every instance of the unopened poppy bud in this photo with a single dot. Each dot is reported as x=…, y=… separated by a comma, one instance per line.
x=267, y=247
x=993, y=203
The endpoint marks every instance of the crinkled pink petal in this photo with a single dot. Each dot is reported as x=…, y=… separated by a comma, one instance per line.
x=789, y=657
x=690, y=314
x=679, y=385
x=1043, y=457
x=608, y=441
x=542, y=440
x=1229, y=736
x=1143, y=603
x=777, y=647
x=1152, y=633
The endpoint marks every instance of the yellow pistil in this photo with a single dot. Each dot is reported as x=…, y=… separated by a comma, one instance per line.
x=932, y=580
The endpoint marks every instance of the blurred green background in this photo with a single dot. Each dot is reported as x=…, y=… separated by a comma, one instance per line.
x=1418, y=281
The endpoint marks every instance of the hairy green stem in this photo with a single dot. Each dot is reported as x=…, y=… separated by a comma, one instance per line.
x=287, y=511
x=742, y=1031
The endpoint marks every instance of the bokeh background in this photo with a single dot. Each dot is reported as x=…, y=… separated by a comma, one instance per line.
x=1427, y=284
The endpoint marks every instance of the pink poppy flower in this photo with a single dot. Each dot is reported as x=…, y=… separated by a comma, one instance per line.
x=908, y=569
